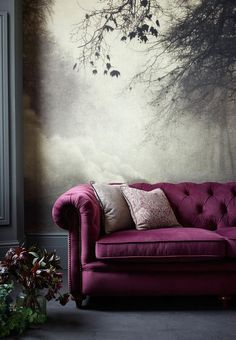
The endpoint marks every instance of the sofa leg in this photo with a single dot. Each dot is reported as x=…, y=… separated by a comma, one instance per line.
x=225, y=301
x=78, y=300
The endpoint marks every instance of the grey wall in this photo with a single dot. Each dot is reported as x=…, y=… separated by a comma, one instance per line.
x=11, y=156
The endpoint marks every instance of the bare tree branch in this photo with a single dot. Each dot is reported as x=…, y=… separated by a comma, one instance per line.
x=130, y=19
x=191, y=62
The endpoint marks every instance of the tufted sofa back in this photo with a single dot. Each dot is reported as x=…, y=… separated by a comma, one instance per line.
x=207, y=205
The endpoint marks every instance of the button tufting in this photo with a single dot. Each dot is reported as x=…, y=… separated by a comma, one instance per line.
x=223, y=208
x=186, y=192
x=199, y=208
x=210, y=192
x=212, y=225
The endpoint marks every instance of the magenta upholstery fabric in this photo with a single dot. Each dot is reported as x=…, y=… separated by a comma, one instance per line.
x=176, y=243
x=230, y=236
x=78, y=210
x=127, y=278
x=161, y=266
x=157, y=284
x=208, y=210
x=206, y=205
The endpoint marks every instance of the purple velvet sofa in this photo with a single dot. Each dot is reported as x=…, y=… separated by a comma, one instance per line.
x=198, y=259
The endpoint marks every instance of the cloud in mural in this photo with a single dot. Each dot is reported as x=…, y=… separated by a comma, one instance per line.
x=53, y=162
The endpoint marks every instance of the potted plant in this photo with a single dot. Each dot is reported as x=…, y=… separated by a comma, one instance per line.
x=37, y=272
x=13, y=318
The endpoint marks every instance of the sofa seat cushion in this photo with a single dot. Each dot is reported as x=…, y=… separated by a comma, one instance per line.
x=165, y=243
x=229, y=233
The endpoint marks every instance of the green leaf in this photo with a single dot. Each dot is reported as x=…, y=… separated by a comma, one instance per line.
x=33, y=253
x=34, y=260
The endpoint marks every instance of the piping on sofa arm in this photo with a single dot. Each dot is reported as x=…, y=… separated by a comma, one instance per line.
x=78, y=211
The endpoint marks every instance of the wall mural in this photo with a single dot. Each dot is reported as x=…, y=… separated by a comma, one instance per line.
x=126, y=91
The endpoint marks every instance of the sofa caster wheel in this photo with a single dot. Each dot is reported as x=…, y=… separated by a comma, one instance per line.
x=225, y=301
x=78, y=301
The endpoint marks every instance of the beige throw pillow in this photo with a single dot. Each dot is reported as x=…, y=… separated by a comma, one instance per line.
x=149, y=209
x=116, y=211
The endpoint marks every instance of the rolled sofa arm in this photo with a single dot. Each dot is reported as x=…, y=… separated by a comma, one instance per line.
x=78, y=211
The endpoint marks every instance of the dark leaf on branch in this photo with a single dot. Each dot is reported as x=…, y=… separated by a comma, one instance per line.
x=108, y=57
x=123, y=38
x=115, y=73
x=114, y=20
x=132, y=35
x=153, y=31
x=157, y=22
x=105, y=72
x=95, y=71
x=108, y=28
x=143, y=38
x=144, y=3
x=91, y=62
x=144, y=27
x=74, y=66
x=86, y=16
x=149, y=16
x=108, y=65
x=97, y=55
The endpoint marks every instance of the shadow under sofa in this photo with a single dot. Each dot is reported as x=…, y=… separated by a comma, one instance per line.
x=198, y=259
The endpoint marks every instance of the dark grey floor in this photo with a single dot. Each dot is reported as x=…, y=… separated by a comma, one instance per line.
x=200, y=318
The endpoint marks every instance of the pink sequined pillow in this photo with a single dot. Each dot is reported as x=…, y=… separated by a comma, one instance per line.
x=149, y=209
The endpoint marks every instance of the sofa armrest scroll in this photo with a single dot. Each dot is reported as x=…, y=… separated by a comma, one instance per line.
x=78, y=211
